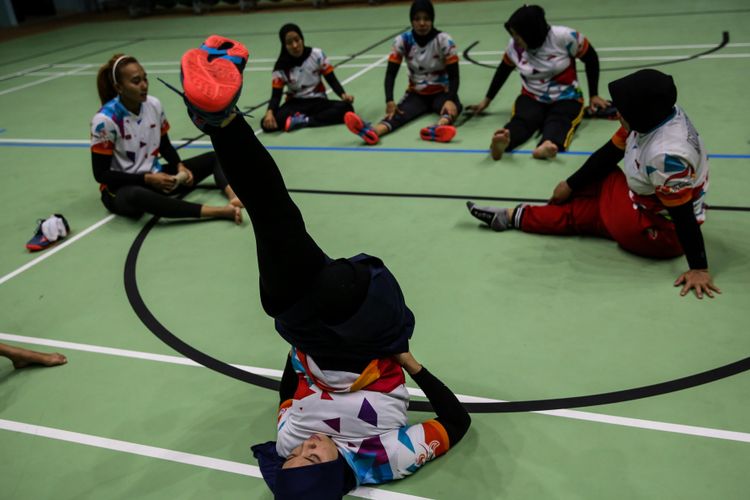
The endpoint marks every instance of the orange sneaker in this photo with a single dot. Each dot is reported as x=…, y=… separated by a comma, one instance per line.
x=212, y=79
x=355, y=124
x=438, y=133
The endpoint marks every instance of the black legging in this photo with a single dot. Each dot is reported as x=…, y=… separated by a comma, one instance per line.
x=414, y=105
x=556, y=120
x=320, y=111
x=289, y=260
x=134, y=201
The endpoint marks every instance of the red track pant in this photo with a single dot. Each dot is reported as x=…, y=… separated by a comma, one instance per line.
x=606, y=210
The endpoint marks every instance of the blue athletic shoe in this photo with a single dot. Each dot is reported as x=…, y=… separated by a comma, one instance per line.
x=295, y=121
x=48, y=232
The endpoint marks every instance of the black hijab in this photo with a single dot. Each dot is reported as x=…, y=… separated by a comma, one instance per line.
x=645, y=98
x=529, y=23
x=285, y=61
x=426, y=7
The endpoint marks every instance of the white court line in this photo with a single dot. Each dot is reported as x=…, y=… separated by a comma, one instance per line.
x=173, y=456
x=45, y=80
x=638, y=423
x=57, y=248
x=32, y=69
x=380, y=63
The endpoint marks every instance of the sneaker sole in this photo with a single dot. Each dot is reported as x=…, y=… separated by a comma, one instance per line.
x=209, y=86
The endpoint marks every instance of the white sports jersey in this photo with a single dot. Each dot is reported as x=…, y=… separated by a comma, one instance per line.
x=132, y=140
x=666, y=167
x=304, y=81
x=365, y=415
x=426, y=64
x=548, y=73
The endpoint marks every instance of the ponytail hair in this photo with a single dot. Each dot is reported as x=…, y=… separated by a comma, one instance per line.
x=109, y=74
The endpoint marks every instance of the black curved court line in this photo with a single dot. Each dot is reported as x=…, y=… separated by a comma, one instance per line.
x=250, y=109
x=724, y=41
x=152, y=323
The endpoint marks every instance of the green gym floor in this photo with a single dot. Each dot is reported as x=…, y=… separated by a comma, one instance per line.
x=500, y=317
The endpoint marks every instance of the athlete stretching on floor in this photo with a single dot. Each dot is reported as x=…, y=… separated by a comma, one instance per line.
x=345, y=319
x=128, y=134
x=654, y=205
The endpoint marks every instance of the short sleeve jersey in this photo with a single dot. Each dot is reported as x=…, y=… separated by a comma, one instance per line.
x=131, y=140
x=427, y=74
x=304, y=81
x=667, y=166
x=365, y=415
x=548, y=74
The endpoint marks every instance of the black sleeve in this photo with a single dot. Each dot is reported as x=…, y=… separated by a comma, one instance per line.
x=501, y=74
x=273, y=104
x=597, y=166
x=453, y=81
x=450, y=413
x=390, y=79
x=334, y=83
x=288, y=382
x=103, y=175
x=690, y=235
x=591, y=60
x=167, y=151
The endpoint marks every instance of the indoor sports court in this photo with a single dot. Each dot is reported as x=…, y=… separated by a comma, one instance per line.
x=587, y=375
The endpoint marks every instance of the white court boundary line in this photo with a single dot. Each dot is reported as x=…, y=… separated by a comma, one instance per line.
x=675, y=57
x=45, y=80
x=638, y=423
x=173, y=456
x=91, y=228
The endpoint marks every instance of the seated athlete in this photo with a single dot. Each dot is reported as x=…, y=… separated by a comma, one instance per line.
x=342, y=419
x=128, y=134
x=654, y=205
x=432, y=60
x=551, y=101
x=299, y=68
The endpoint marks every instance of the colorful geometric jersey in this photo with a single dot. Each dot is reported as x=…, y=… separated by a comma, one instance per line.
x=426, y=64
x=131, y=140
x=666, y=167
x=304, y=81
x=364, y=414
x=548, y=74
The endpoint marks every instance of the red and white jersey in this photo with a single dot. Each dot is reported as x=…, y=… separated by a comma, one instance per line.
x=666, y=167
x=132, y=140
x=365, y=415
x=548, y=74
x=304, y=81
x=427, y=74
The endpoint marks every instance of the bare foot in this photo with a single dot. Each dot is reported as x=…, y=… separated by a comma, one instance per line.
x=545, y=150
x=24, y=358
x=232, y=212
x=500, y=141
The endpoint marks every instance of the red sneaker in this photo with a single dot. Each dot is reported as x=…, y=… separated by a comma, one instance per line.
x=212, y=78
x=438, y=133
x=355, y=124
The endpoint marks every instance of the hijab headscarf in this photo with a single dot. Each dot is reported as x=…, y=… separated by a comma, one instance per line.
x=645, y=98
x=285, y=61
x=529, y=23
x=426, y=7
x=326, y=481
